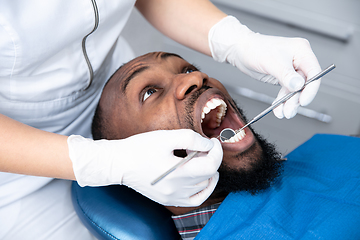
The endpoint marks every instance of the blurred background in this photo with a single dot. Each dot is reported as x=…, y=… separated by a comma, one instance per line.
x=333, y=29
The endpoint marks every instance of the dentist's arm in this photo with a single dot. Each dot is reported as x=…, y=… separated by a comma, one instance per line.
x=186, y=21
x=198, y=24
x=135, y=161
x=30, y=151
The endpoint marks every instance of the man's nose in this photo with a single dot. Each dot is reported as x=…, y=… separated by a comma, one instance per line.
x=187, y=83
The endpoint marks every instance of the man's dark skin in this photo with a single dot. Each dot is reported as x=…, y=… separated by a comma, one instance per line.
x=162, y=91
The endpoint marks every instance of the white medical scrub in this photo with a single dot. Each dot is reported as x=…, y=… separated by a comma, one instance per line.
x=45, y=82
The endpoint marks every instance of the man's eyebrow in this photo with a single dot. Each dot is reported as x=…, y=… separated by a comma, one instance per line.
x=128, y=79
x=166, y=55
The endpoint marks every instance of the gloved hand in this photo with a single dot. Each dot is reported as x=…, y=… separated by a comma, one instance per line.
x=138, y=160
x=276, y=60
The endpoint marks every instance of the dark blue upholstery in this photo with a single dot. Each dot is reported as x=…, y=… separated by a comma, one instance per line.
x=118, y=212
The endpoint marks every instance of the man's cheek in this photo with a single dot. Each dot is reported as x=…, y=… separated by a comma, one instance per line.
x=160, y=123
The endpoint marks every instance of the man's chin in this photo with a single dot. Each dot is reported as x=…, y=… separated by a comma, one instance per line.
x=263, y=168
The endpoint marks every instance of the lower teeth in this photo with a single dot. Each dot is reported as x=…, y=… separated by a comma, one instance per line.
x=236, y=138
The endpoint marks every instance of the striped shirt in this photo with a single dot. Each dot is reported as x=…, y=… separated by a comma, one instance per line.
x=190, y=224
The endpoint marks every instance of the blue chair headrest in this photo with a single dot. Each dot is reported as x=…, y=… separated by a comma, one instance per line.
x=118, y=212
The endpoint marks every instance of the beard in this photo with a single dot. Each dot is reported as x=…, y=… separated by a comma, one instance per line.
x=265, y=167
x=263, y=160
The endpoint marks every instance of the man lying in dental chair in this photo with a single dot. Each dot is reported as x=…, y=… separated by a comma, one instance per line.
x=315, y=194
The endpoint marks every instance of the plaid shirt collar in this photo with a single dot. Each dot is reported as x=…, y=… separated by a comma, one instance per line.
x=190, y=224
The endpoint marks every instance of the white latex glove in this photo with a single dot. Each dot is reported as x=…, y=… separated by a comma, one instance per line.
x=276, y=60
x=138, y=160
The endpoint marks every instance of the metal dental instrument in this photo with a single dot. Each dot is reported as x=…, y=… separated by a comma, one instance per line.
x=225, y=133
x=187, y=158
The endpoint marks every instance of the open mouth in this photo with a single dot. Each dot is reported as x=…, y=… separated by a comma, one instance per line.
x=216, y=116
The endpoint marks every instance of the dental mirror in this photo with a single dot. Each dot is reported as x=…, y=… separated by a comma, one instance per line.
x=226, y=134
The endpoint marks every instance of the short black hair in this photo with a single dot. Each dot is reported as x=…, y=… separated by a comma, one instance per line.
x=98, y=127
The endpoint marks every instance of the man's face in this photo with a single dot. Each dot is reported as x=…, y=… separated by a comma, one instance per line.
x=163, y=91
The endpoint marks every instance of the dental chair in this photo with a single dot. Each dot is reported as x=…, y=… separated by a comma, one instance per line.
x=118, y=212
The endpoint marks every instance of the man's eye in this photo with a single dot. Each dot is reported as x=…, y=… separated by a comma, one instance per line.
x=189, y=70
x=148, y=93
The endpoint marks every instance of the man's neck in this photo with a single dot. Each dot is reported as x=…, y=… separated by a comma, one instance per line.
x=183, y=210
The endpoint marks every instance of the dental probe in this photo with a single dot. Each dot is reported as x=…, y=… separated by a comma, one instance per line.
x=187, y=158
x=275, y=104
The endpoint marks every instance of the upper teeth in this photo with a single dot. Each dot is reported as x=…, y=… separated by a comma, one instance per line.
x=212, y=104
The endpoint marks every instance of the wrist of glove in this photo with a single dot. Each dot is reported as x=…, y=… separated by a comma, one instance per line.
x=271, y=59
x=138, y=160
x=94, y=162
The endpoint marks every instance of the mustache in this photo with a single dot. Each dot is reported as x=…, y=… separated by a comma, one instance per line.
x=190, y=105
